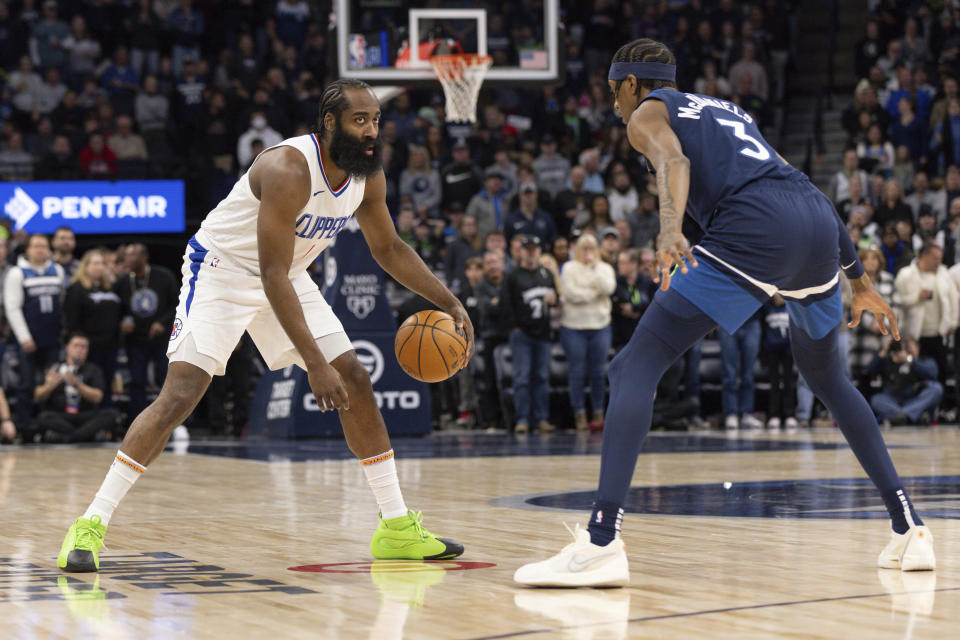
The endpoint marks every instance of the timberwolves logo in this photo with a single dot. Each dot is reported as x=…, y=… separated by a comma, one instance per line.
x=370, y=357
x=361, y=306
x=144, y=302
x=177, y=327
x=933, y=496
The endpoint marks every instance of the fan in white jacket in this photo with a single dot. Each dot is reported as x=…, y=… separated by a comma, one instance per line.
x=929, y=296
x=586, y=283
x=587, y=288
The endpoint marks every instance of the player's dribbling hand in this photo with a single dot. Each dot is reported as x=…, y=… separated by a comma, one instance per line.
x=672, y=248
x=328, y=388
x=870, y=300
x=464, y=328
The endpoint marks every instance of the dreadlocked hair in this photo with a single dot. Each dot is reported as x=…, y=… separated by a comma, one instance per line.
x=334, y=99
x=646, y=50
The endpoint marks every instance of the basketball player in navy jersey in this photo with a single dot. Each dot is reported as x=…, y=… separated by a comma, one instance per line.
x=246, y=270
x=766, y=229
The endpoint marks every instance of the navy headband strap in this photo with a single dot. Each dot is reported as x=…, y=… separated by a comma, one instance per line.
x=643, y=71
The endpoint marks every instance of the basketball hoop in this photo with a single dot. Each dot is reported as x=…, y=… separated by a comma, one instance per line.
x=461, y=75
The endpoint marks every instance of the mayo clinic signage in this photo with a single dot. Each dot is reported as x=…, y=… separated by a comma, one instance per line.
x=123, y=206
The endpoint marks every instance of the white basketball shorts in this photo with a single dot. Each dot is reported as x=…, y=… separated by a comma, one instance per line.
x=218, y=302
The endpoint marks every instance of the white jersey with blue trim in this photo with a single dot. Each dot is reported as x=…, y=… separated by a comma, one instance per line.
x=229, y=231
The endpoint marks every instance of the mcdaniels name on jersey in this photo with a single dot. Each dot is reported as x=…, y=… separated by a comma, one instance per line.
x=699, y=103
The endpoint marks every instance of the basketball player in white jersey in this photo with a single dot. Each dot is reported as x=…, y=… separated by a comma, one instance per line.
x=245, y=270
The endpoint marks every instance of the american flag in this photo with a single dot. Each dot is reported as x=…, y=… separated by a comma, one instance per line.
x=533, y=59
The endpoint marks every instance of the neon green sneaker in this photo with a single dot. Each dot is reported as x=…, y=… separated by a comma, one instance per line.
x=80, y=551
x=404, y=538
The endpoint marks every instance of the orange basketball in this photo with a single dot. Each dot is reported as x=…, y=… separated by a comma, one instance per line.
x=428, y=346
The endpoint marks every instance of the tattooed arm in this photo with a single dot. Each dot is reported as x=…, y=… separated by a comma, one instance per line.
x=650, y=133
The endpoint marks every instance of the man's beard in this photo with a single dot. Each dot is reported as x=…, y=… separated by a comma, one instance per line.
x=350, y=153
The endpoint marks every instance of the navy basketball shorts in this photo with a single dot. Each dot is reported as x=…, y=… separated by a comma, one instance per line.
x=771, y=237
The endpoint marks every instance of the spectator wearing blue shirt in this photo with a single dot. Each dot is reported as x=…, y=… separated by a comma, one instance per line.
x=921, y=97
x=529, y=219
x=187, y=30
x=896, y=253
x=121, y=81
x=908, y=130
x=945, y=139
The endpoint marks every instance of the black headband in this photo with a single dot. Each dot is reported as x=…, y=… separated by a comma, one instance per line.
x=643, y=71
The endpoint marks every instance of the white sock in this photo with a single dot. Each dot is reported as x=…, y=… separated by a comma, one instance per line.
x=381, y=472
x=122, y=474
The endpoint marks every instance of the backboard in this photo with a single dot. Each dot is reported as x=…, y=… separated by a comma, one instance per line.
x=389, y=42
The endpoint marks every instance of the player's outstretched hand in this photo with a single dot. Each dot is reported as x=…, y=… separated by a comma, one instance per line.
x=464, y=328
x=870, y=300
x=328, y=388
x=672, y=248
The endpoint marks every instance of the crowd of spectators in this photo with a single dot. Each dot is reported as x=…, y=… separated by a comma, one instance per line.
x=195, y=88
x=155, y=88
x=84, y=340
x=898, y=192
x=542, y=218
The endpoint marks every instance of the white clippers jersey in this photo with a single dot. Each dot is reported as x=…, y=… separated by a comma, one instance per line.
x=230, y=230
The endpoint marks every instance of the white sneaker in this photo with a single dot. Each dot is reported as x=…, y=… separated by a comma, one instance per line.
x=731, y=423
x=773, y=424
x=910, y=551
x=579, y=564
x=181, y=433
x=751, y=423
x=791, y=424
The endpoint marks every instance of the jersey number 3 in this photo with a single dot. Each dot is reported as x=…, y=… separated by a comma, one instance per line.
x=753, y=149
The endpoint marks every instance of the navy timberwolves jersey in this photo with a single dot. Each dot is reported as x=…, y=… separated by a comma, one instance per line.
x=42, y=290
x=725, y=149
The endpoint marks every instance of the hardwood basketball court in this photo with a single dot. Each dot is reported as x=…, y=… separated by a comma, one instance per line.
x=756, y=536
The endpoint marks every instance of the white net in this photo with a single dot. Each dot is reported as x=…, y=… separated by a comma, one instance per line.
x=461, y=75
